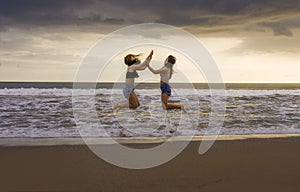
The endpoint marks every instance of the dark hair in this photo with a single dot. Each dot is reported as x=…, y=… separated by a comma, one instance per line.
x=129, y=61
x=171, y=59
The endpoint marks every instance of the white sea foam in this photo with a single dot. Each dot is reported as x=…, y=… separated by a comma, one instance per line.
x=49, y=113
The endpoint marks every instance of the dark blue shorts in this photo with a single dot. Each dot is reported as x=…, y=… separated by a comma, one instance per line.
x=165, y=88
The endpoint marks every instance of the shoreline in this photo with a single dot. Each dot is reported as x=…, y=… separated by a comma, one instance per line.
x=19, y=142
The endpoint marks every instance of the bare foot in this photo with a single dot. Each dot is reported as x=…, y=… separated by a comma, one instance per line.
x=183, y=109
x=115, y=109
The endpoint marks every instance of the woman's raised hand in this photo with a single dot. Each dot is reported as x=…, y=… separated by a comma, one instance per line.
x=150, y=55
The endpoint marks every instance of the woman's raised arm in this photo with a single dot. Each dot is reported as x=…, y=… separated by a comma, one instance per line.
x=143, y=65
x=157, y=71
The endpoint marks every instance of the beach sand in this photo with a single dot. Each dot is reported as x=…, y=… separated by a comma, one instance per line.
x=253, y=164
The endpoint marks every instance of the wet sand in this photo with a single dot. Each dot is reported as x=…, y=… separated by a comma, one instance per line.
x=248, y=164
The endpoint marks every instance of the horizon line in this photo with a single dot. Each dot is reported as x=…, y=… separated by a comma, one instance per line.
x=148, y=85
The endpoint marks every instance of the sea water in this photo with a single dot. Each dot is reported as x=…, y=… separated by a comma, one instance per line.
x=32, y=112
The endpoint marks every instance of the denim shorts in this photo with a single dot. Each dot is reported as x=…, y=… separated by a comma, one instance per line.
x=165, y=88
x=127, y=90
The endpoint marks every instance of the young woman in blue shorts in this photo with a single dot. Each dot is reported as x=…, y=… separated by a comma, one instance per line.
x=166, y=73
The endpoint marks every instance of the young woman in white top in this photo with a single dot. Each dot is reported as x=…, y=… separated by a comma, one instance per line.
x=166, y=73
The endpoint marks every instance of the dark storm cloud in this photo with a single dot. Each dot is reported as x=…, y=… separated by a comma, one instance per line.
x=208, y=15
x=278, y=28
x=282, y=27
x=36, y=12
x=49, y=12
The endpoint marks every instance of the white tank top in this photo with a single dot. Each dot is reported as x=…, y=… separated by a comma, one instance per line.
x=165, y=77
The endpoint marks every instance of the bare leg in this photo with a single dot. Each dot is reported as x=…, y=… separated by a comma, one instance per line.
x=118, y=106
x=168, y=106
x=139, y=104
x=133, y=101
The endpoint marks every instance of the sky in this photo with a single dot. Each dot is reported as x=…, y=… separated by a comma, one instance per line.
x=251, y=41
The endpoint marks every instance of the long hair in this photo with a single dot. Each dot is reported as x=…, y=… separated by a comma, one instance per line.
x=128, y=61
x=171, y=61
x=170, y=66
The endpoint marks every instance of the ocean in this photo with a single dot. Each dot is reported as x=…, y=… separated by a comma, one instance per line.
x=51, y=112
